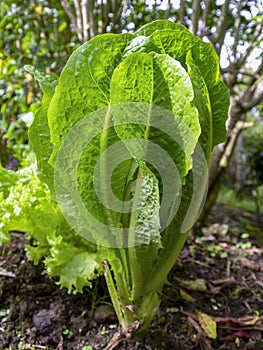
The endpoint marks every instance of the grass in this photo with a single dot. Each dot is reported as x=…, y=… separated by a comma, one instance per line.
x=244, y=200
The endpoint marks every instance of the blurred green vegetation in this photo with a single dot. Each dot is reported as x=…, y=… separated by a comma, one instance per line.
x=243, y=200
x=31, y=32
x=253, y=147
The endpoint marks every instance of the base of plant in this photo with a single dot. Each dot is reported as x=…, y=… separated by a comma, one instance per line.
x=122, y=336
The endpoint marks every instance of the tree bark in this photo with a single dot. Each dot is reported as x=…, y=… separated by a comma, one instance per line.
x=221, y=157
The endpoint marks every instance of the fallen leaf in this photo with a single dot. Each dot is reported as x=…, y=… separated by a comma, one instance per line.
x=252, y=322
x=186, y=296
x=239, y=323
x=197, y=285
x=208, y=324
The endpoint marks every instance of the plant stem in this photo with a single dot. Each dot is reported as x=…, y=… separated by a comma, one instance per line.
x=166, y=261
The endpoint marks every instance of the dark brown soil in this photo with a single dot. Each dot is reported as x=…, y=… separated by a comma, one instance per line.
x=36, y=314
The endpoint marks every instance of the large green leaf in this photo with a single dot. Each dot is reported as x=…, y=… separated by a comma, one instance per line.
x=147, y=82
x=202, y=103
x=142, y=86
x=82, y=92
x=176, y=43
x=39, y=134
x=84, y=84
x=149, y=28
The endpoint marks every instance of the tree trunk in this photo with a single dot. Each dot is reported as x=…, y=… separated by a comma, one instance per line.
x=221, y=157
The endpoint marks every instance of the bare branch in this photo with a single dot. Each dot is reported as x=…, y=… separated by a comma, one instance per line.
x=182, y=11
x=85, y=20
x=237, y=71
x=71, y=16
x=250, y=97
x=91, y=18
x=168, y=10
x=195, y=16
x=79, y=20
x=235, y=113
x=236, y=30
x=256, y=100
x=220, y=33
x=257, y=75
x=204, y=18
x=244, y=57
x=230, y=144
x=118, y=11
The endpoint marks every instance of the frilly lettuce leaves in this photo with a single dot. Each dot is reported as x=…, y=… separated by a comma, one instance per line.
x=26, y=206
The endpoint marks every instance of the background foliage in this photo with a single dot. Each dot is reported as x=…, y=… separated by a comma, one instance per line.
x=35, y=32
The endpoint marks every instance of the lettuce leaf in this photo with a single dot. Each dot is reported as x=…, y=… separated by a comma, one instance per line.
x=28, y=208
x=39, y=134
x=176, y=41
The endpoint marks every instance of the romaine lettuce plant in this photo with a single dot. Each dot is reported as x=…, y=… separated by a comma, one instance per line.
x=123, y=140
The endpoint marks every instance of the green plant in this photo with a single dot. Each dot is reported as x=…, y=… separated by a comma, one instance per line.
x=123, y=78
x=123, y=140
x=67, y=332
x=35, y=32
x=4, y=315
x=26, y=206
x=24, y=346
x=217, y=250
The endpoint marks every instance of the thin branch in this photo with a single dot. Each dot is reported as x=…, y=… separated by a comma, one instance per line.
x=230, y=145
x=257, y=75
x=168, y=10
x=85, y=20
x=256, y=100
x=237, y=71
x=236, y=30
x=71, y=15
x=195, y=16
x=91, y=18
x=79, y=22
x=182, y=11
x=244, y=57
x=250, y=98
x=204, y=18
x=118, y=13
x=218, y=38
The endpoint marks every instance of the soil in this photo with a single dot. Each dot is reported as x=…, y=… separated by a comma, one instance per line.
x=218, y=280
